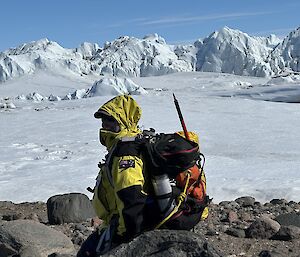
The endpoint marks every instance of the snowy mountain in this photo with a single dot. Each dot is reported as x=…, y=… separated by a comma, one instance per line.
x=226, y=51
x=42, y=55
x=286, y=56
x=129, y=56
x=235, y=52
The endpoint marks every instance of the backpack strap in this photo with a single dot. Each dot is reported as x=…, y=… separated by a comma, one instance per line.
x=108, y=164
x=125, y=146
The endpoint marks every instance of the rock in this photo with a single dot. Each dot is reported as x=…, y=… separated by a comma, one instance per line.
x=229, y=204
x=246, y=217
x=7, y=250
x=287, y=233
x=166, y=243
x=6, y=204
x=278, y=201
x=263, y=227
x=266, y=253
x=67, y=208
x=80, y=227
x=240, y=233
x=287, y=208
x=32, y=239
x=78, y=238
x=61, y=255
x=33, y=216
x=232, y=217
x=30, y=251
x=245, y=201
x=13, y=216
x=268, y=205
x=289, y=219
x=257, y=204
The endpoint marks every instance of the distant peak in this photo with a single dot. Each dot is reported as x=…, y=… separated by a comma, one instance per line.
x=230, y=30
x=42, y=41
x=226, y=28
x=155, y=37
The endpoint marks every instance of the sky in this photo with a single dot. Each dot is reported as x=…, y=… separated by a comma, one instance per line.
x=71, y=23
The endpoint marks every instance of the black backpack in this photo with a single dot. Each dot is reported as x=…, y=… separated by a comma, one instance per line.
x=168, y=154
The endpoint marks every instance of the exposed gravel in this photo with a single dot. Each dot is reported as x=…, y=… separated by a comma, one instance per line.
x=228, y=228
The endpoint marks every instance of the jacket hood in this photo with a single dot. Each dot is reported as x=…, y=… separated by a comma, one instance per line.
x=125, y=110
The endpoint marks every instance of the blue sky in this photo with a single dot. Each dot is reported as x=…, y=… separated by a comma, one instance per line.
x=72, y=22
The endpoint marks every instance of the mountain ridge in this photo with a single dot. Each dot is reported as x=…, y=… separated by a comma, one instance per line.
x=227, y=51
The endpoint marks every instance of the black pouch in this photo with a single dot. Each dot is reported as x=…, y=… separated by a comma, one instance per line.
x=171, y=154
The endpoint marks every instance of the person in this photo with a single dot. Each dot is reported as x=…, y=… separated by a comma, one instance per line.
x=122, y=195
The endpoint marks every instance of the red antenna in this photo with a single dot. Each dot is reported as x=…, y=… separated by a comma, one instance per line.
x=186, y=134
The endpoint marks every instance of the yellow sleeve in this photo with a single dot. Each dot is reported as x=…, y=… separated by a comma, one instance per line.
x=125, y=177
x=128, y=184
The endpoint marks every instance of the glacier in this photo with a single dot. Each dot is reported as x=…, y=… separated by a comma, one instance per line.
x=226, y=51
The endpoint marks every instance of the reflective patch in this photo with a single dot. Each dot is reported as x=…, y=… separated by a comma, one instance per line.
x=124, y=164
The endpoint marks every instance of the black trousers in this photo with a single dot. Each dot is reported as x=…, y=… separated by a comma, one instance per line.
x=88, y=247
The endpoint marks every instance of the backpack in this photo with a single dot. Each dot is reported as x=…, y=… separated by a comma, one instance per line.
x=176, y=161
x=170, y=154
x=174, y=155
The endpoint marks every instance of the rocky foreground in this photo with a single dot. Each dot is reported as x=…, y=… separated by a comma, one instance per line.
x=243, y=227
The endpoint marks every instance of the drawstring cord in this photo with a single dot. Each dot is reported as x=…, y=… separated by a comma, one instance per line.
x=180, y=200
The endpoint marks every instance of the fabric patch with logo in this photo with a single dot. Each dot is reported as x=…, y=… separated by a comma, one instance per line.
x=124, y=164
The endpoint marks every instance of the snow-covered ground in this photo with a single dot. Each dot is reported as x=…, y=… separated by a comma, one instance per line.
x=251, y=145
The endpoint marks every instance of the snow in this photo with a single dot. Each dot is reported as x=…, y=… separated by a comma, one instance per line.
x=250, y=141
x=243, y=101
x=105, y=86
x=115, y=86
x=227, y=51
x=287, y=53
x=232, y=51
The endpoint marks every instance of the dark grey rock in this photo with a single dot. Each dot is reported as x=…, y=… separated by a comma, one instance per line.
x=236, y=232
x=166, y=243
x=68, y=208
x=78, y=238
x=229, y=216
x=278, y=201
x=60, y=255
x=229, y=204
x=289, y=219
x=287, y=233
x=292, y=203
x=7, y=250
x=80, y=227
x=266, y=253
x=257, y=204
x=263, y=227
x=212, y=232
x=32, y=239
x=245, y=201
x=268, y=205
x=286, y=208
x=13, y=216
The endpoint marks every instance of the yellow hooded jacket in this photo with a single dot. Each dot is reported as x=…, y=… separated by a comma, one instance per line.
x=119, y=188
